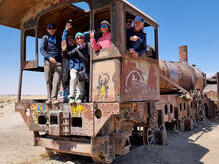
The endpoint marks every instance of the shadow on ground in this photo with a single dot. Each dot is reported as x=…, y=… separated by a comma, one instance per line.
x=179, y=150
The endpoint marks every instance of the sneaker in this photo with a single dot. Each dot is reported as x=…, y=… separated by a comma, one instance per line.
x=71, y=100
x=61, y=94
x=55, y=101
x=48, y=101
x=78, y=101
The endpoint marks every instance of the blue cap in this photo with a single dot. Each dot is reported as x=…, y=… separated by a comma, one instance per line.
x=139, y=19
x=79, y=33
x=51, y=25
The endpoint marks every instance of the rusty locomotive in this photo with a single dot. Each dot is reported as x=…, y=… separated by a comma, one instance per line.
x=131, y=101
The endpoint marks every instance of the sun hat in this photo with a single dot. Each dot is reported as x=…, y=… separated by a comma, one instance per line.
x=105, y=22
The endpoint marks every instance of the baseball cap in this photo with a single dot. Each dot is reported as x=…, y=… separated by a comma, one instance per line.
x=139, y=19
x=51, y=25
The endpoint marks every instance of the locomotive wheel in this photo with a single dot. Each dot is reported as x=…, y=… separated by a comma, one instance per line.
x=100, y=159
x=203, y=113
x=149, y=136
x=50, y=152
x=181, y=125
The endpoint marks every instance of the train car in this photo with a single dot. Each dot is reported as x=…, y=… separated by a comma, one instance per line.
x=131, y=100
x=211, y=92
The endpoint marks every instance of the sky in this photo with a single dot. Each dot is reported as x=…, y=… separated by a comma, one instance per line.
x=181, y=22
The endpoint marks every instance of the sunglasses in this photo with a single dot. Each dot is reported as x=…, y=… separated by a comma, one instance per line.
x=104, y=26
x=51, y=28
x=78, y=38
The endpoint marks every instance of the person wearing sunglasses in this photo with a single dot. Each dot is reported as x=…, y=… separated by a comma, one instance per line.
x=136, y=38
x=105, y=40
x=128, y=23
x=68, y=43
x=50, y=48
x=79, y=68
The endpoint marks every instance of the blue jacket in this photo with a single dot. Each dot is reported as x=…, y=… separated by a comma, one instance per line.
x=140, y=45
x=79, y=57
x=51, y=47
x=74, y=62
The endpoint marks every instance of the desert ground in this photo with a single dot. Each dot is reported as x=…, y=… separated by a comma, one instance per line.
x=16, y=144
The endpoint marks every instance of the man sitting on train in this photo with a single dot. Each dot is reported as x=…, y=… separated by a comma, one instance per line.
x=136, y=38
x=50, y=48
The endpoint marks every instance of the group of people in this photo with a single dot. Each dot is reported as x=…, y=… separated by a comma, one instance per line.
x=67, y=58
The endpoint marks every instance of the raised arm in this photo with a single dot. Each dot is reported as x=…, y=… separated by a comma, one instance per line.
x=95, y=45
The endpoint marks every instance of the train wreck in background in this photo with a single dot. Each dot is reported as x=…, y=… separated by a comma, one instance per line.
x=131, y=102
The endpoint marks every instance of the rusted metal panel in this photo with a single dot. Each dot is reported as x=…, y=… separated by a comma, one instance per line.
x=164, y=104
x=122, y=143
x=140, y=79
x=107, y=53
x=106, y=81
x=79, y=148
x=102, y=113
x=85, y=113
x=137, y=111
x=105, y=146
x=64, y=119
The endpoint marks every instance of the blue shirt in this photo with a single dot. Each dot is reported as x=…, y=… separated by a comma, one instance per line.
x=51, y=47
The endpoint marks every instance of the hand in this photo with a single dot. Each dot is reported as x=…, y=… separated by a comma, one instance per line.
x=131, y=51
x=64, y=45
x=52, y=60
x=92, y=34
x=68, y=26
x=134, y=38
x=135, y=55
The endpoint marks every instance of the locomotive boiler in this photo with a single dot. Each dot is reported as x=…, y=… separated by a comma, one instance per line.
x=181, y=73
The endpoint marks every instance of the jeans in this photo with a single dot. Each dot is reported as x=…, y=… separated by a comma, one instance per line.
x=76, y=85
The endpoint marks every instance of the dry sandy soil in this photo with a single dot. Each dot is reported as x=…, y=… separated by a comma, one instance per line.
x=16, y=144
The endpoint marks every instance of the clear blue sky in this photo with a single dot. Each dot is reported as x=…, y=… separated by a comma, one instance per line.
x=182, y=22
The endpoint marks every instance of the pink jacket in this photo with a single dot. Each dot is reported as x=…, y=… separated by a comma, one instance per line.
x=103, y=42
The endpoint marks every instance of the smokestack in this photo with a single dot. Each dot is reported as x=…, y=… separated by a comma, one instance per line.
x=183, y=54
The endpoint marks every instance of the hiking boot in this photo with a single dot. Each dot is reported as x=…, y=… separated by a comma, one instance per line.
x=48, y=101
x=71, y=100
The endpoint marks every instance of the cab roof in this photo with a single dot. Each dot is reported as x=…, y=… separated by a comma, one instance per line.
x=12, y=12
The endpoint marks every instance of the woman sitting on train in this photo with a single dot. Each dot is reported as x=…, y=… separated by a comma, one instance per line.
x=105, y=40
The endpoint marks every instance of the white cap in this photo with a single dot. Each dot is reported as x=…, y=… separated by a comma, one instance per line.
x=105, y=22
